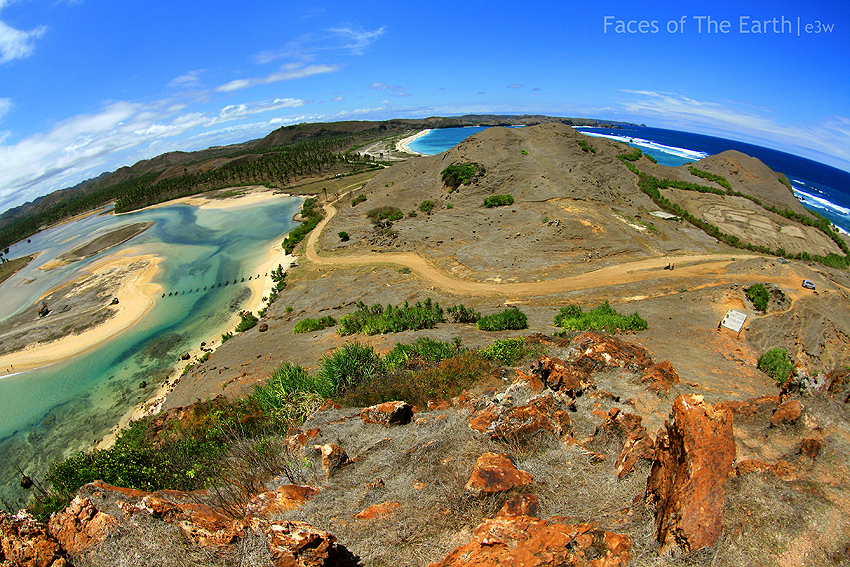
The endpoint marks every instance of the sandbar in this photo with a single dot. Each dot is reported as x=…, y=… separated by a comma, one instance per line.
x=131, y=277
x=404, y=144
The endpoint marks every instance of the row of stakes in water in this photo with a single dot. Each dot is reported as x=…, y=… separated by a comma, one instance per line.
x=210, y=287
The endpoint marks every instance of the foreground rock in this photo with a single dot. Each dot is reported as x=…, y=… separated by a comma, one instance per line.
x=183, y=526
x=528, y=541
x=27, y=543
x=693, y=459
x=495, y=473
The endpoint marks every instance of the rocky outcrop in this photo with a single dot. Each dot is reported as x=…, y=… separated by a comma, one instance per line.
x=381, y=510
x=24, y=542
x=388, y=413
x=333, y=457
x=693, y=459
x=626, y=431
x=495, y=473
x=528, y=541
x=80, y=526
x=284, y=498
x=544, y=413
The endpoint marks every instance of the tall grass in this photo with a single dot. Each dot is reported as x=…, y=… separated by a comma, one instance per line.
x=425, y=349
x=309, y=325
x=509, y=319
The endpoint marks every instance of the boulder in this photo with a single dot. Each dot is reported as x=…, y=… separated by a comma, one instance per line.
x=530, y=542
x=333, y=457
x=546, y=413
x=388, y=413
x=80, y=526
x=495, y=473
x=263, y=327
x=753, y=406
x=520, y=505
x=185, y=356
x=283, y=499
x=788, y=413
x=661, y=377
x=693, y=458
x=780, y=469
x=297, y=440
x=24, y=542
x=626, y=431
x=298, y=544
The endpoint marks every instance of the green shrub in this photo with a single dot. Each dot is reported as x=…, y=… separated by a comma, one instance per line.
x=290, y=394
x=510, y=319
x=459, y=174
x=462, y=314
x=226, y=337
x=759, y=295
x=604, y=316
x=498, y=201
x=343, y=236
x=509, y=351
x=312, y=216
x=379, y=319
x=776, y=364
x=423, y=349
x=249, y=321
x=426, y=207
x=586, y=147
x=310, y=325
x=347, y=366
x=386, y=212
x=358, y=199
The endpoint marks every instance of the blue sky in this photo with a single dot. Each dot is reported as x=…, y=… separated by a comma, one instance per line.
x=87, y=86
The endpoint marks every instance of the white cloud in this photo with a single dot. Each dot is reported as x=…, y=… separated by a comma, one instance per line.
x=5, y=106
x=286, y=73
x=191, y=79
x=308, y=46
x=356, y=41
x=236, y=111
x=825, y=140
x=17, y=44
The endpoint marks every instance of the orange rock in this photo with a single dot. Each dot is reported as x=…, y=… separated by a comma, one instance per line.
x=284, y=498
x=782, y=469
x=787, y=413
x=379, y=510
x=299, y=440
x=533, y=380
x=388, y=413
x=661, y=377
x=25, y=542
x=495, y=473
x=328, y=405
x=530, y=542
x=80, y=526
x=439, y=404
x=333, y=457
x=693, y=458
x=520, y=505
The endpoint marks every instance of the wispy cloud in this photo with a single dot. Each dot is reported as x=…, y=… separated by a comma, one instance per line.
x=5, y=106
x=516, y=86
x=286, y=73
x=235, y=112
x=307, y=47
x=17, y=44
x=827, y=138
x=395, y=89
x=190, y=80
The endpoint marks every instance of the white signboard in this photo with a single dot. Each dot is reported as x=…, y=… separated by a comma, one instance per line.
x=734, y=320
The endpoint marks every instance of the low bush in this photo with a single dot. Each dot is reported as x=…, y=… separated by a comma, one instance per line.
x=357, y=200
x=310, y=325
x=509, y=319
x=509, y=351
x=312, y=216
x=290, y=395
x=379, y=319
x=424, y=349
x=458, y=174
x=343, y=236
x=249, y=321
x=776, y=364
x=426, y=207
x=462, y=314
x=386, y=212
x=346, y=367
x=445, y=380
x=586, y=147
x=759, y=295
x=498, y=201
x=602, y=318
x=226, y=337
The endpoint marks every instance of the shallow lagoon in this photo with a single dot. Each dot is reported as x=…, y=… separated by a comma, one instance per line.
x=56, y=410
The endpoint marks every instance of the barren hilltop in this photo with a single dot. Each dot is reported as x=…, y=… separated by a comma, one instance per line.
x=676, y=441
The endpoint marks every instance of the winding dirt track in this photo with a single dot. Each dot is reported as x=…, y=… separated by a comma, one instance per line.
x=690, y=266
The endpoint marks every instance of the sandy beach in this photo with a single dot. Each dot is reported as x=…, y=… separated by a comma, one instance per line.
x=136, y=296
x=404, y=145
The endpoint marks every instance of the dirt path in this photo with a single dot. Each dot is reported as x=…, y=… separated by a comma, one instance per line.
x=690, y=266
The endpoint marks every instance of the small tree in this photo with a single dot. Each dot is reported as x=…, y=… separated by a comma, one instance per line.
x=343, y=236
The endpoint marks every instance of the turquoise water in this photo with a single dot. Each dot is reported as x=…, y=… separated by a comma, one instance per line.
x=53, y=411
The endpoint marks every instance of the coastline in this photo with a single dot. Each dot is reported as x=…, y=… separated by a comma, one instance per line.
x=404, y=144
x=136, y=296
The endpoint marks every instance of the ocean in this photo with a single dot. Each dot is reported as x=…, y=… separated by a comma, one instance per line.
x=55, y=410
x=821, y=188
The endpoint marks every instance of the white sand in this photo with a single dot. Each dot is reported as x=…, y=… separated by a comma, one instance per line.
x=404, y=145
